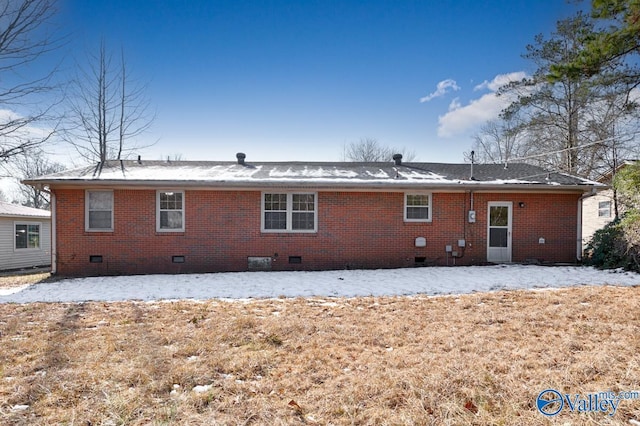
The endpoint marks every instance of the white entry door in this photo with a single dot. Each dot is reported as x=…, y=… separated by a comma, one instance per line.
x=499, y=232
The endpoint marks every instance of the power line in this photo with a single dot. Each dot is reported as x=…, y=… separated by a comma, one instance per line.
x=542, y=154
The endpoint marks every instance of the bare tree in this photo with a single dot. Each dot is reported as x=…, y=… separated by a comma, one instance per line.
x=24, y=38
x=500, y=141
x=107, y=110
x=31, y=165
x=369, y=150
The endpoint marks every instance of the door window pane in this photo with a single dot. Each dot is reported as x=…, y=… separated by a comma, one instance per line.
x=499, y=216
x=498, y=237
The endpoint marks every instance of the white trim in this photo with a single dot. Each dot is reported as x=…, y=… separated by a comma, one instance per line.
x=181, y=210
x=27, y=223
x=86, y=210
x=429, y=206
x=289, y=213
x=461, y=186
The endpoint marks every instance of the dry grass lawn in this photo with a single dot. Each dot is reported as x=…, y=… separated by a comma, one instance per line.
x=477, y=359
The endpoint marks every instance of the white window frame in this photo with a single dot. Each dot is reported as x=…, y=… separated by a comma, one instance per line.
x=604, y=209
x=182, y=210
x=86, y=210
x=429, y=207
x=289, y=213
x=22, y=249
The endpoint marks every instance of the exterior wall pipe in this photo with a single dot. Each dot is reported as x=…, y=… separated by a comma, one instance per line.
x=579, y=221
x=54, y=251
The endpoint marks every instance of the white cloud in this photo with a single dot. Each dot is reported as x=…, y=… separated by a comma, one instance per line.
x=441, y=89
x=27, y=131
x=462, y=119
x=500, y=80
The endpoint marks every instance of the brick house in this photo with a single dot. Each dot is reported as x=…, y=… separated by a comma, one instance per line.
x=140, y=217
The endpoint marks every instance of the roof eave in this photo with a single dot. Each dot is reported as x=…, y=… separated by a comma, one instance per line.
x=360, y=185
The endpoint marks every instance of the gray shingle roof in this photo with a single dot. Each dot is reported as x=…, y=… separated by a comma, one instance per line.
x=319, y=174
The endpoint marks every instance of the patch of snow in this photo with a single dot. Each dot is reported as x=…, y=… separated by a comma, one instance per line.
x=19, y=408
x=12, y=290
x=201, y=388
x=380, y=174
x=244, y=286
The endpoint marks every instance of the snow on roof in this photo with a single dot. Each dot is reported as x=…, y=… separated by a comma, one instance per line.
x=321, y=174
x=15, y=210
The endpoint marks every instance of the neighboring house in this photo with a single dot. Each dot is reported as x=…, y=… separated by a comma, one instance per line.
x=140, y=217
x=25, y=237
x=599, y=209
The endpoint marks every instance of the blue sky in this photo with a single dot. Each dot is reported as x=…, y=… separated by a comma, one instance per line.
x=296, y=80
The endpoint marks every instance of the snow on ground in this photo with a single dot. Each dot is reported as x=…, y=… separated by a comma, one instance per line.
x=345, y=283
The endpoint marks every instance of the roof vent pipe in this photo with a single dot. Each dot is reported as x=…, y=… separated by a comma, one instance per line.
x=241, y=156
x=397, y=158
x=473, y=160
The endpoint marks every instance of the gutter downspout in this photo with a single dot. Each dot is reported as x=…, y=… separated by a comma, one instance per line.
x=54, y=251
x=579, y=230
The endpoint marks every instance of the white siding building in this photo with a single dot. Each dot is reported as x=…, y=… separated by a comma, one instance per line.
x=25, y=237
x=597, y=211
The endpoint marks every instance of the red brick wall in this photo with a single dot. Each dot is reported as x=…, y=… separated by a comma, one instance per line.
x=355, y=230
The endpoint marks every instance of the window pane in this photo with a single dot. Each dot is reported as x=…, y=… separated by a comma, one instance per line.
x=34, y=236
x=100, y=219
x=275, y=201
x=417, y=200
x=418, y=213
x=100, y=200
x=171, y=220
x=21, y=236
x=303, y=202
x=170, y=201
x=604, y=209
x=302, y=221
x=499, y=216
x=275, y=220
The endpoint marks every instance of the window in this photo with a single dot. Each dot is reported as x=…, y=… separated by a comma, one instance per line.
x=604, y=209
x=99, y=211
x=288, y=212
x=417, y=207
x=27, y=236
x=170, y=212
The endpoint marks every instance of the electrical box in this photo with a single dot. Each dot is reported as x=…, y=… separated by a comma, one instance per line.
x=448, y=249
x=472, y=216
x=462, y=243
